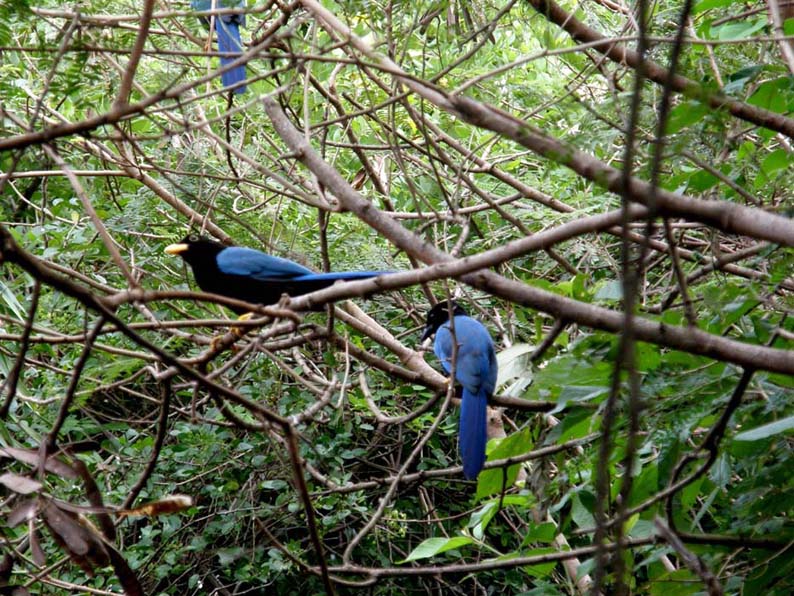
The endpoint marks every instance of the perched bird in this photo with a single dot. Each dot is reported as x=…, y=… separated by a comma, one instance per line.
x=227, y=27
x=251, y=275
x=475, y=369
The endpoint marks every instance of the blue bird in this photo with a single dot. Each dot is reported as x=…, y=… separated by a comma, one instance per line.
x=251, y=275
x=475, y=369
x=227, y=27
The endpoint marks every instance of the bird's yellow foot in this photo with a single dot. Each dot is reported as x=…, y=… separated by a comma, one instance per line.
x=241, y=331
x=219, y=342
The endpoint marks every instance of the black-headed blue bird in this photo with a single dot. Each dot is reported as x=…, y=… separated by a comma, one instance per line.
x=476, y=371
x=227, y=27
x=251, y=275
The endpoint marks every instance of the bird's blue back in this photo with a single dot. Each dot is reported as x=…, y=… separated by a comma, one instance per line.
x=476, y=367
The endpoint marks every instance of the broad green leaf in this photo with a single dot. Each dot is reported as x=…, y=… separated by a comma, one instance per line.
x=227, y=556
x=512, y=361
x=767, y=430
x=490, y=482
x=681, y=582
x=479, y=520
x=777, y=160
x=611, y=290
x=641, y=528
x=690, y=493
x=576, y=424
x=514, y=365
x=701, y=180
x=645, y=484
x=582, y=515
x=434, y=546
x=736, y=309
x=541, y=569
x=738, y=80
x=740, y=30
x=771, y=95
x=648, y=357
x=545, y=532
x=705, y=5
x=569, y=378
x=720, y=472
x=685, y=114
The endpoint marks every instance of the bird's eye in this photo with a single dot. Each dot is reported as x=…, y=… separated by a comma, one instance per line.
x=193, y=238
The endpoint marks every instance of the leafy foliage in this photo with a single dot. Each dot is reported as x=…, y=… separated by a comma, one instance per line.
x=80, y=389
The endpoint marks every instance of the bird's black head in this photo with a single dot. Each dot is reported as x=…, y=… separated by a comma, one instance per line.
x=196, y=250
x=438, y=315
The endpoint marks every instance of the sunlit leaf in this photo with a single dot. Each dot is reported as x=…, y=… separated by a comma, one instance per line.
x=434, y=546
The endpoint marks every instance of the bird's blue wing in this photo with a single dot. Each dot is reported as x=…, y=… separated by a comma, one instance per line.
x=237, y=260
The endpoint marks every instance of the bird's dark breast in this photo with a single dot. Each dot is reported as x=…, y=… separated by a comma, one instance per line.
x=245, y=288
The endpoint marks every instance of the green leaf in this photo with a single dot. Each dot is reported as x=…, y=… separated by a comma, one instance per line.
x=701, y=180
x=705, y=5
x=569, y=378
x=540, y=533
x=582, y=515
x=541, y=569
x=681, y=582
x=738, y=80
x=737, y=308
x=12, y=302
x=434, y=546
x=720, y=472
x=482, y=517
x=777, y=160
x=648, y=357
x=771, y=95
x=767, y=430
x=5, y=34
x=610, y=291
x=227, y=556
x=685, y=114
x=514, y=365
x=690, y=493
x=642, y=528
x=740, y=30
x=490, y=482
x=576, y=424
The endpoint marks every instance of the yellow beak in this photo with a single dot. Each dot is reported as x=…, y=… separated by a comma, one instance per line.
x=175, y=249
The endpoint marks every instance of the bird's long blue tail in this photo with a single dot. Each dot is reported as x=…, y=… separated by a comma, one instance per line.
x=229, y=41
x=473, y=433
x=344, y=275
